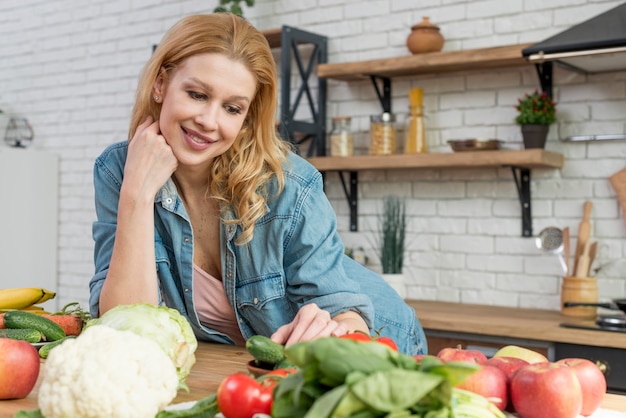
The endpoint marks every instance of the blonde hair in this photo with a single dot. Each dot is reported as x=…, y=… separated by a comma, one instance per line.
x=239, y=177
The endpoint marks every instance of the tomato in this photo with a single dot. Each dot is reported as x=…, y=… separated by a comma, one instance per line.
x=361, y=336
x=241, y=396
x=388, y=342
x=270, y=379
x=357, y=336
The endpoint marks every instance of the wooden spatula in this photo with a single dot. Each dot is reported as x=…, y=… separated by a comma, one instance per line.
x=582, y=267
x=593, y=251
x=584, y=231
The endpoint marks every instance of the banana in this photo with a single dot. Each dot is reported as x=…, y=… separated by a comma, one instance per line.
x=23, y=297
x=39, y=310
x=47, y=295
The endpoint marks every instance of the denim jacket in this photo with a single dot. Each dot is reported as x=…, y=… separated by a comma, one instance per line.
x=296, y=257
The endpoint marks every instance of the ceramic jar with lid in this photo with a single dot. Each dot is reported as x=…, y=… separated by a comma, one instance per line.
x=425, y=37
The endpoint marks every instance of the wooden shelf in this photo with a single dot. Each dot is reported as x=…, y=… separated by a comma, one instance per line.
x=531, y=158
x=520, y=163
x=431, y=63
x=273, y=37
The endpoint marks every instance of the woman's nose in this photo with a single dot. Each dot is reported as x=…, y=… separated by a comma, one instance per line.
x=207, y=118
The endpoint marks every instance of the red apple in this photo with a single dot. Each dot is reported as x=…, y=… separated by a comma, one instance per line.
x=460, y=354
x=509, y=365
x=592, y=382
x=490, y=382
x=546, y=389
x=19, y=368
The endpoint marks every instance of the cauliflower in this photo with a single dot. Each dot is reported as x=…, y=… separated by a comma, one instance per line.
x=105, y=373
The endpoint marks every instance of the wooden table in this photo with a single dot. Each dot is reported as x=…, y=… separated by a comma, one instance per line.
x=213, y=363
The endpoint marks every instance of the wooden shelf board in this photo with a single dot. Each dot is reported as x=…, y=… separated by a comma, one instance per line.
x=531, y=158
x=430, y=63
x=273, y=37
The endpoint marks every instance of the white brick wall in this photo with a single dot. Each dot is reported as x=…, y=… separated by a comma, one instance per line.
x=71, y=66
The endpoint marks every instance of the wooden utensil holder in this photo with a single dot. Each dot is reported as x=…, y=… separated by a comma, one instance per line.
x=579, y=289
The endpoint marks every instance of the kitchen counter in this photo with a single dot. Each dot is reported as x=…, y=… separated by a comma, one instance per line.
x=214, y=362
x=519, y=323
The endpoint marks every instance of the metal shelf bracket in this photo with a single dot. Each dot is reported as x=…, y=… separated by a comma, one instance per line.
x=522, y=182
x=350, y=190
x=385, y=96
x=544, y=71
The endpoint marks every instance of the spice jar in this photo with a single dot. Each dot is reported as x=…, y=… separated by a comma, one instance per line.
x=382, y=134
x=341, y=138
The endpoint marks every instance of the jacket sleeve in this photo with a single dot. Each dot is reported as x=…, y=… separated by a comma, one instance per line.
x=314, y=258
x=107, y=180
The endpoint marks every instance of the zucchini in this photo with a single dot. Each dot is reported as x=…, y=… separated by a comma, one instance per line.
x=27, y=320
x=45, y=349
x=264, y=350
x=29, y=335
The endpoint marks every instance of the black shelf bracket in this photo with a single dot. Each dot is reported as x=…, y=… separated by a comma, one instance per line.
x=544, y=71
x=384, y=96
x=350, y=190
x=521, y=176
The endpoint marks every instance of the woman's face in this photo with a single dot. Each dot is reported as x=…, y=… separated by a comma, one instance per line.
x=204, y=106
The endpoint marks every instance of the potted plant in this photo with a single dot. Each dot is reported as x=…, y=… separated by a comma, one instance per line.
x=232, y=6
x=392, y=236
x=536, y=112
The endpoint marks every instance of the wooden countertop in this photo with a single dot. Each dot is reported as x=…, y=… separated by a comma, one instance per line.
x=498, y=321
x=213, y=363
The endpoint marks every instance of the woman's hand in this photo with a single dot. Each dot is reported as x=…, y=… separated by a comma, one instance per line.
x=150, y=161
x=312, y=322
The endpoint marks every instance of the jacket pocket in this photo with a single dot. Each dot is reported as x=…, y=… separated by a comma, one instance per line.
x=258, y=291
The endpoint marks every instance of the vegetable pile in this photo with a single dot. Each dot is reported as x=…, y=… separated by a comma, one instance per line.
x=130, y=362
x=344, y=377
x=36, y=325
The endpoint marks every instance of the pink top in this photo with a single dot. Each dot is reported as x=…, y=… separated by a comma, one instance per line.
x=214, y=310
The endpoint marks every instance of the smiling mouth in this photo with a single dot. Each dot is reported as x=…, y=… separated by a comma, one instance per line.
x=197, y=138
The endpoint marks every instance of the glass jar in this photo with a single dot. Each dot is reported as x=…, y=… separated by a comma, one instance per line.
x=383, y=134
x=341, y=138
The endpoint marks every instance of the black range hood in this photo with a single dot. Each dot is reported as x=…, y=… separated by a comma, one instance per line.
x=596, y=45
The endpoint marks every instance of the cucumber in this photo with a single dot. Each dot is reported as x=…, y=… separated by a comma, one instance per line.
x=45, y=350
x=27, y=320
x=29, y=335
x=265, y=350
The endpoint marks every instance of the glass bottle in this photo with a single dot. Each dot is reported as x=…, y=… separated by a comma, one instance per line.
x=341, y=138
x=415, y=135
x=415, y=141
x=382, y=134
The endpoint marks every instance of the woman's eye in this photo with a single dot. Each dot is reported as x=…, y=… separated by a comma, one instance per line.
x=196, y=96
x=233, y=110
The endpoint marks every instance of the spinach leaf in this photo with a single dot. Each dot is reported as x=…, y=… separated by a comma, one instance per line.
x=395, y=389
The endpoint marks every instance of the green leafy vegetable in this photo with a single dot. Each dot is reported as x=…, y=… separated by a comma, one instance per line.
x=164, y=325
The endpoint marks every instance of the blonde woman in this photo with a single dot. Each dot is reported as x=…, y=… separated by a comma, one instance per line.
x=207, y=211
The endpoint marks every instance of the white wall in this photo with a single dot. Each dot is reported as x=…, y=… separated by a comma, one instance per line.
x=71, y=68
